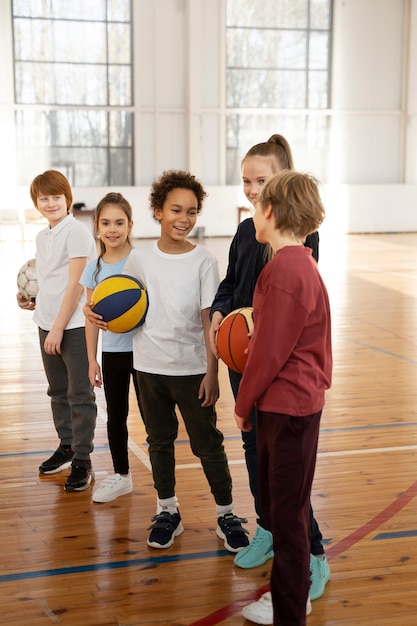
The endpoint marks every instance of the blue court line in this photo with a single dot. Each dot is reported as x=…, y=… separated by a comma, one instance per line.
x=368, y=427
x=111, y=565
x=380, y=350
x=396, y=535
x=326, y=430
x=40, y=452
x=175, y=558
x=97, y=567
x=322, y=430
x=230, y=438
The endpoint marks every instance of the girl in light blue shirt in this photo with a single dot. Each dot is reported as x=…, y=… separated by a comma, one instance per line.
x=113, y=224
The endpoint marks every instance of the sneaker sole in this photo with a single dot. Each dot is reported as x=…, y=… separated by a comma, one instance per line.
x=252, y=564
x=56, y=470
x=103, y=499
x=179, y=529
x=252, y=616
x=82, y=488
x=221, y=535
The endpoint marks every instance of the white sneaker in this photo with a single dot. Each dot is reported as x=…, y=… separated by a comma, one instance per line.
x=261, y=612
x=112, y=487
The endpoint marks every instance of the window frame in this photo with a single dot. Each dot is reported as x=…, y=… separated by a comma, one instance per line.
x=112, y=170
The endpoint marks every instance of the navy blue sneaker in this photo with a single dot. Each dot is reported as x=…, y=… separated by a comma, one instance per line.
x=166, y=526
x=230, y=529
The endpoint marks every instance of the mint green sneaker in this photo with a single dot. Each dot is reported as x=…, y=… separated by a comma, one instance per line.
x=319, y=575
x=258, y=552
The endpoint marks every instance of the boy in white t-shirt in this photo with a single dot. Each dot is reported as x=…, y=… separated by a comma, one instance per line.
x=173, y=360
x=63, y=249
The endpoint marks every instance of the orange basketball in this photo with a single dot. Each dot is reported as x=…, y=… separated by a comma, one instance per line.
x=232, y=338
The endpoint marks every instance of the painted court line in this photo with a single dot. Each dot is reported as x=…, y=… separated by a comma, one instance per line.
x=367, y=451
x=143, y=457
x=380, y=350
x=333, y=551
x=400, y=534
x=338, y=453
x=97, y=567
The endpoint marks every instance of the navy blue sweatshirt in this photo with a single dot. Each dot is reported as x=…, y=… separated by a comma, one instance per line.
x=247, y=258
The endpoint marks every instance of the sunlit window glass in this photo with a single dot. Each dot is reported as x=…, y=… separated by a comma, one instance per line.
x=74, y=54
x=277, y=76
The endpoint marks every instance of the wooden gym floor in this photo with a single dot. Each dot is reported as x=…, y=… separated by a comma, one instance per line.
x=65, y=560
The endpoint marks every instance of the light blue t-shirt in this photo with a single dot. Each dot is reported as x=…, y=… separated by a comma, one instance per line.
x=111, y=342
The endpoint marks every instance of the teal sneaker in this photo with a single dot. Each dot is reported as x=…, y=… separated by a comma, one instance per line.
x=258, y=552
x=319, y=575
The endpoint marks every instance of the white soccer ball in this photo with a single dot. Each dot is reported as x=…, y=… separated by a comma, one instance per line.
x=26, y=280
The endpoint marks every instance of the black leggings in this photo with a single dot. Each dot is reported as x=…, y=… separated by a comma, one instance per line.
x=117, y=370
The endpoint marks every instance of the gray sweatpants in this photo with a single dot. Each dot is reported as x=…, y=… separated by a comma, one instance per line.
x=73, y=404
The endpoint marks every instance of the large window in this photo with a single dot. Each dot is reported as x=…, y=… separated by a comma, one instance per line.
x=73, y=89
x=278, y=76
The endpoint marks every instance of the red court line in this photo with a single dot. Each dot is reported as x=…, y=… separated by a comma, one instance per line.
x=357, y=535
x=236, y=607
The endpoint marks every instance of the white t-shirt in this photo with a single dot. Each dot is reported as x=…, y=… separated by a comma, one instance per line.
x=171, y=340
x=110, y=342
x=69, y=239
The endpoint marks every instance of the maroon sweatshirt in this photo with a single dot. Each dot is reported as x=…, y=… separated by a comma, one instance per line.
x=289, y=364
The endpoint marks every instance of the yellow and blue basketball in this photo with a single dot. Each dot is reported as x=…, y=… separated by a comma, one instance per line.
x=122, y=301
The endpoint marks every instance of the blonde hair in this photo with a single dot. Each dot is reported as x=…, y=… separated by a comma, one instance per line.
x=295, y=201
x=277, y=149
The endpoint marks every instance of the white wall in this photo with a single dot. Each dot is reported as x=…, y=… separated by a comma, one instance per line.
x=367, y=91
x=179, y=113
x=370, y=208
x=349, y=208
x=179, y=86
x=219, y=216
x=410, y=97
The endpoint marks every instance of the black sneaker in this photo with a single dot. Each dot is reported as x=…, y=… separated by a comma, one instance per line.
x=231, y=530
x=61, y=459
x=81, y=476
x=166, y=526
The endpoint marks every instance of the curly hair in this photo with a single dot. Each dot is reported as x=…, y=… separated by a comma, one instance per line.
x=175, y=179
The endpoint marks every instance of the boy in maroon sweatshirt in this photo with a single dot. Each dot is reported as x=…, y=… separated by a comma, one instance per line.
x=288, y=370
